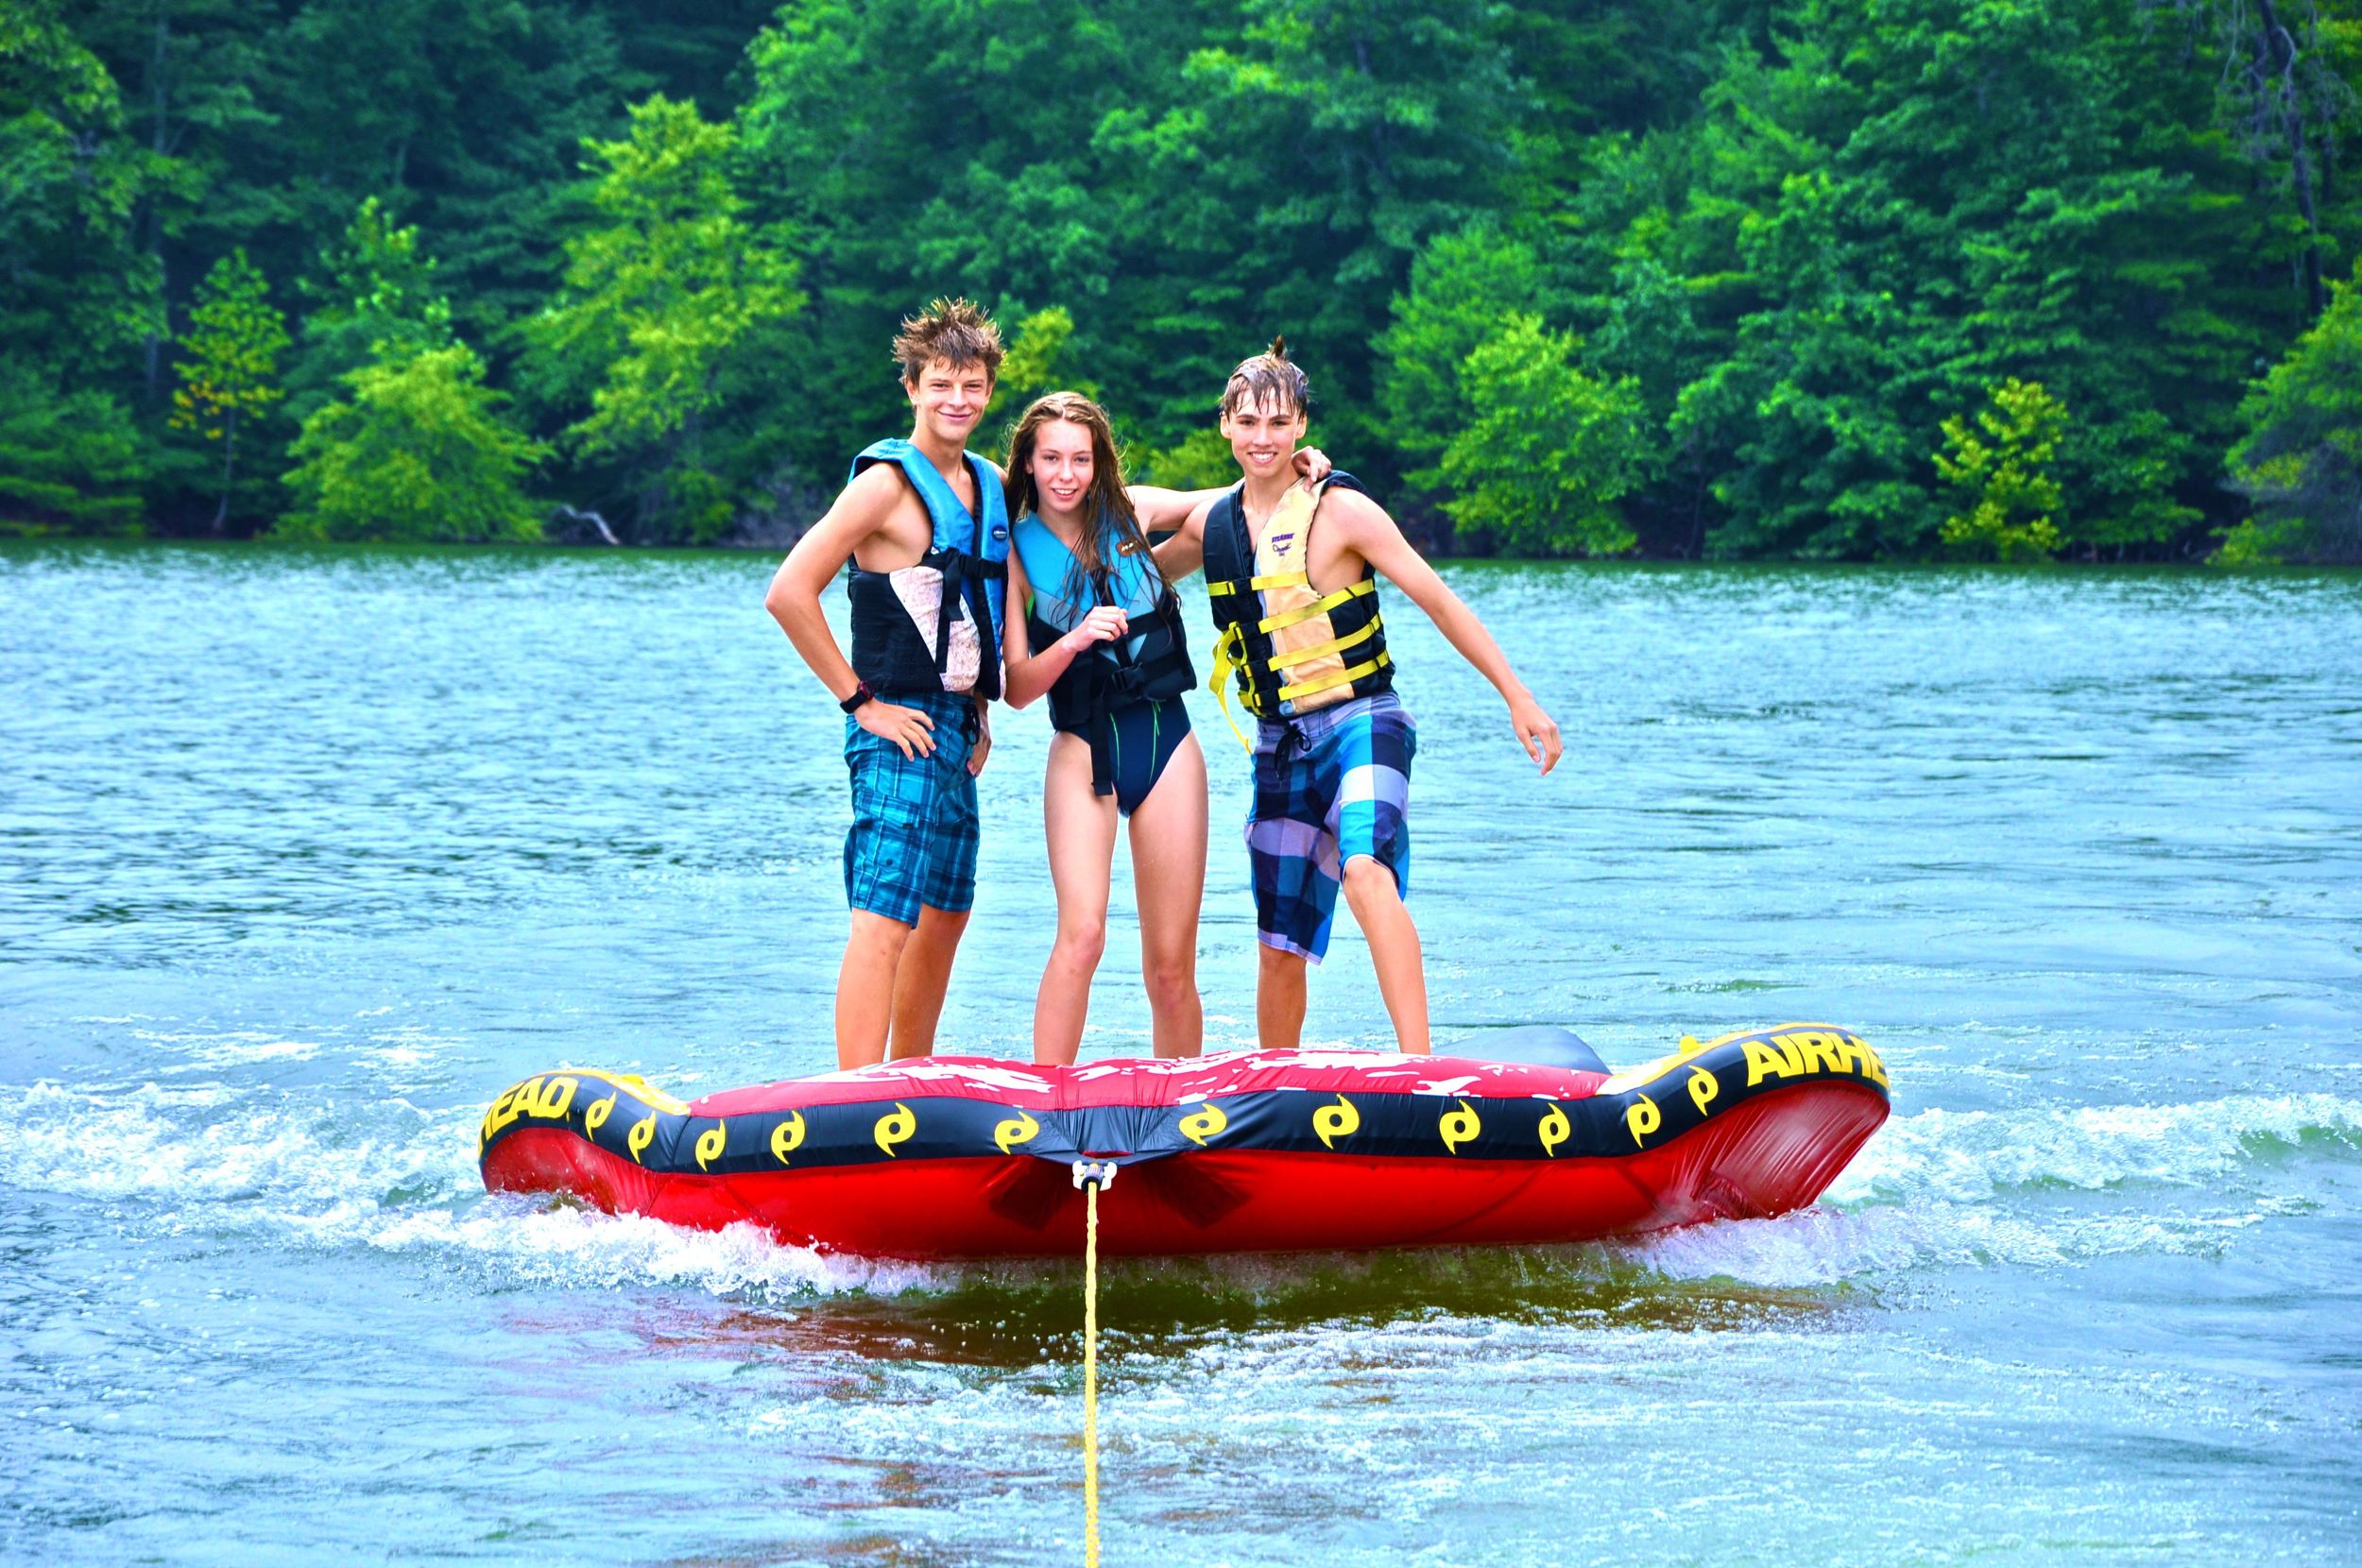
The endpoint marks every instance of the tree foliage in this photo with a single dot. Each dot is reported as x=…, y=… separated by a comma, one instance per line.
x=70, y=462
x=658, y=300
x=2004, y=475
x=231, y=377
x=418, y=455
x=1797, y=236
x=1550, y=450
x=379, y=299
x=2299, y=463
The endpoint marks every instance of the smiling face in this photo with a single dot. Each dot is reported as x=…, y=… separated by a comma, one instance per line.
x=1062, y=465
x=1263, y=432
x=948, y=399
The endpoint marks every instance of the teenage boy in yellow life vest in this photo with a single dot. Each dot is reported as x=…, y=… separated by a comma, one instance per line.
x=1292, y=573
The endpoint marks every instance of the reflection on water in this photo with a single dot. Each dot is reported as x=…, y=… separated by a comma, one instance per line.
x=304, y=855
x=1014, y=1315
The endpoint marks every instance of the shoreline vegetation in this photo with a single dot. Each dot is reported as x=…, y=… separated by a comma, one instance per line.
x=1738, y=280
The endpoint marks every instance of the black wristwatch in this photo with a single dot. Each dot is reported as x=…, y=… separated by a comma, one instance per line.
x=860, y=694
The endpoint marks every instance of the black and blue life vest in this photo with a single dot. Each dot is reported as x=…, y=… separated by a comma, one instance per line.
x=1152, y=663
x=968, y=553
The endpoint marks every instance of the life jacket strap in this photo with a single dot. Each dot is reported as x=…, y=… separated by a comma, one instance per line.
x=1231, y=657
x=1344, y=677
x=1334, y=646
x=1319, y=607
x=1278, y=579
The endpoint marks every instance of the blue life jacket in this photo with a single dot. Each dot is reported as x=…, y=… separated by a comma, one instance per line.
x=969, y=555
x=1150, y=663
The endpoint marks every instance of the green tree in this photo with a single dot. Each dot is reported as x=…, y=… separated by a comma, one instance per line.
x=1204, y=174
x=420, y=455
x=2282, y=96
x=1202, y=460
x=231, y=377
x=1307, y=163
x=1550, y=450
x=1038, y=361
x=70, y=462
x=905, y=174
x=381, y=300
x=1461, y=285
x=78, y=295
x=2005, y=475
x=2299, y=463
x=1968, y=190
x=658, y=302
x=189, y=69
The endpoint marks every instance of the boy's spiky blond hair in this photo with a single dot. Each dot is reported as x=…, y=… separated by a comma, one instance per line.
x=950, y=330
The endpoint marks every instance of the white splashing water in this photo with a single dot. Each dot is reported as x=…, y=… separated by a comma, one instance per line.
x=1936, y=1189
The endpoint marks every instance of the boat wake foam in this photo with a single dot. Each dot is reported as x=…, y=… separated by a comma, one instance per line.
x=1931, y=1190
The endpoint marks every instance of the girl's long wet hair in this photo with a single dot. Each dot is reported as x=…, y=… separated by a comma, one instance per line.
x=1105, y=499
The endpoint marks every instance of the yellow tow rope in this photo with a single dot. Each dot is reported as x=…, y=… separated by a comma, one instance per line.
x=1090, y=1177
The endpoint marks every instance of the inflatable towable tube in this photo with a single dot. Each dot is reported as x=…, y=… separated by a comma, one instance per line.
x=966, y=1157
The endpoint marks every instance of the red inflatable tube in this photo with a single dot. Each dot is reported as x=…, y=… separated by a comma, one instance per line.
x=1254, y=1152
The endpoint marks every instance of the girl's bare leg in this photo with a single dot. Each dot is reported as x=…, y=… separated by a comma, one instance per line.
x=1080, y=828
x=1168, y=878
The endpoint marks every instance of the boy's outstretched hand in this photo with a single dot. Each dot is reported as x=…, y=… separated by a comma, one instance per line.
x=1536, y=731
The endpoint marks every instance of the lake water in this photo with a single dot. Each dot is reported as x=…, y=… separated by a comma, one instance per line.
x=304, y=856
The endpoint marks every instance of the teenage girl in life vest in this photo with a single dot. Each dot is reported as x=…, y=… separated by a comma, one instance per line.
x=1094, y=626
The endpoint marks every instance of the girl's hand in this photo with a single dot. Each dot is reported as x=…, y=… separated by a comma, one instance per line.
x=1313, y=464
x=1103, y=624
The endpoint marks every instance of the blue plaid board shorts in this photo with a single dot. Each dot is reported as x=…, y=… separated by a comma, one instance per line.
x=1329, y=786
x=914, y=827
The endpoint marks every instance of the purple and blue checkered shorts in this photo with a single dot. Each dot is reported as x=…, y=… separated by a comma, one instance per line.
x=1329, y=786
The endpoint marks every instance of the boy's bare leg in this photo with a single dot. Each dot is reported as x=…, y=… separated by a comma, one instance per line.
x=1080, y=830
x=1168, y=878
x=864, y=988
x=1378, y=908
x=923, y=977
x=1279, y=999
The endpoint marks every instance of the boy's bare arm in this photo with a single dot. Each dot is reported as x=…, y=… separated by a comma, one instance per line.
x=1161, y=510
x=1378, y=540
x=794, y=599
x=1186, y=551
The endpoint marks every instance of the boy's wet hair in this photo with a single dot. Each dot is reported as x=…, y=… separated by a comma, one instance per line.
x=1270, y=377
x=952, y=330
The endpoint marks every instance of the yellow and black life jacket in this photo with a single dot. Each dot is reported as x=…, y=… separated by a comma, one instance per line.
x=1293, y=649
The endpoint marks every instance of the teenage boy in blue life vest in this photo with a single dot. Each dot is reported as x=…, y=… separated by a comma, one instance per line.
x=926, y=529
x=1291, y=575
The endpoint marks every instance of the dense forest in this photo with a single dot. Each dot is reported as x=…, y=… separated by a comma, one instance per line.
x=1743, y=279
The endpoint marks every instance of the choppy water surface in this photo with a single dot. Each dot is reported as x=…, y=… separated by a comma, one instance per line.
x=304, y=856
